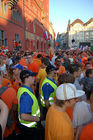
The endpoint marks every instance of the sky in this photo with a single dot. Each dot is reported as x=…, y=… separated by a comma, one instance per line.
x=60, y=11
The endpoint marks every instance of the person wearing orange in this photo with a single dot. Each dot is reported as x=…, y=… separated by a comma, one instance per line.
x=82, y=112
x=84, y=61
x=23, y=61
x=87, y=131
x=32, y=66
x=58, y=124
x=7, y=82
x=38, y=60
x=58, y=65
x=67, y=78
x=8, y=95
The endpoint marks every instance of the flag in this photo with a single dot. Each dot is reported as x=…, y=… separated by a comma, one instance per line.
x=50, y=37
x=45, y=34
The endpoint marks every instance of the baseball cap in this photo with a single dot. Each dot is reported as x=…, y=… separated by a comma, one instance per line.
x=68, y=91
x=26, y=73
x=17, y=66
x=50, y=68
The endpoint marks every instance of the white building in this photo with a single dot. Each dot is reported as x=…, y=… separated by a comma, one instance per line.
x=80, y=33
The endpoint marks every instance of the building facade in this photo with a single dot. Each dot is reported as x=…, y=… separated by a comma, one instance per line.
x=80, y=33
x=25, y=21
x=52, y=33
x=61, y=41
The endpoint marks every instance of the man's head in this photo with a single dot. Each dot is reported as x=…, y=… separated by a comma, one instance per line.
x=75, y=69
x=89, y=73
x=27, y=52
x=51, y=70
x=57, y=62
x=45, y=62
x=27, y=76
x=66, y=78
x=17, y=69
x=88, y=87
x=30, y=58
x=67, y=93
x=39, y=56
x=88, y=66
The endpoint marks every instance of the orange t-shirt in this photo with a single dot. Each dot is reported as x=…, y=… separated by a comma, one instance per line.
x=33, y=67
x=58, y=125
x=6, y=82
x=23, y=62
x=38, y=62
x=70, y=112
x=9, y=97
x=87, y=132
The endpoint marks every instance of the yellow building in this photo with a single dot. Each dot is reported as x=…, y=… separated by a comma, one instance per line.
x=52, y=33
x=80, y=33
x=51, y=30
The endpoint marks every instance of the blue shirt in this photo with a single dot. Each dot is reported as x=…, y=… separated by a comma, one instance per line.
x=47, y=89
x=26, y=101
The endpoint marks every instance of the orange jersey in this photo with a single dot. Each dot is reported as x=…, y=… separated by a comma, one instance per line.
x=33, y=67
x=87, y=132
x=38, y=62
x=58, y=125
x=70, y=112
x=9, y=97
x=23, y=62
x=6, y=83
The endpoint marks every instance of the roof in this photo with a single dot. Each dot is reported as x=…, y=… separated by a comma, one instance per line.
x=81, y=22
x=77, y=21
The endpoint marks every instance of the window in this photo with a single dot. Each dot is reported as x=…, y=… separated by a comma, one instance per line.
x=91, y=33
x=42, y=6
x=33, y=43
x=3, y=41
x=0, y=38
x=17, y=37
x=1, y=6
x=4, y=7
x=16, y=15
x=37, y=45
x=34, y=29
x=87, y=33
x=6, y=42
x=2, y=35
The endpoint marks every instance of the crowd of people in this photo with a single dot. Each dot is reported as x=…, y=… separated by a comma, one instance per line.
x=46, y=95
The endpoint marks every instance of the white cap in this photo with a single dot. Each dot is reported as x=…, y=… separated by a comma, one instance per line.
x=68, y=91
